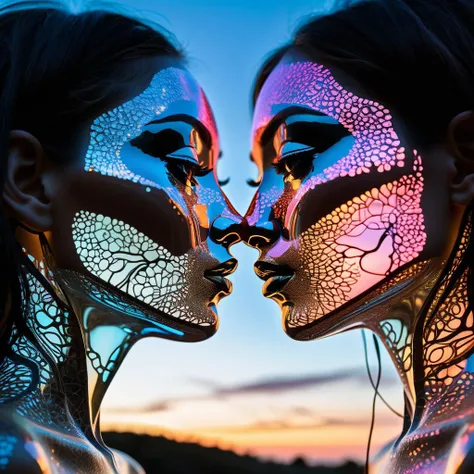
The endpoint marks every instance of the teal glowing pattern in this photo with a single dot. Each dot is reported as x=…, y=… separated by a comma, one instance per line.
x=130, y=261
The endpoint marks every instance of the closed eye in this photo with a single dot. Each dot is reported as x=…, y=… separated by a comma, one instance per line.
x=319, y=136
x=159, y=144
x=169, y=146
x=302, y=142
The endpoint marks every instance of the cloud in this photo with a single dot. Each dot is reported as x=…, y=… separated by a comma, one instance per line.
x=263, y=386
x=288, y=383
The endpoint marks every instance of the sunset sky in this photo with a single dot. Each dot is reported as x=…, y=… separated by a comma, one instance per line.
x=249, y=388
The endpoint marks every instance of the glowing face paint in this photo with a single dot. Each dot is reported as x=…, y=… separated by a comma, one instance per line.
x=135, y=259
x=340, y=243
x=128, y=260
x=142, y=227
x=170, y=89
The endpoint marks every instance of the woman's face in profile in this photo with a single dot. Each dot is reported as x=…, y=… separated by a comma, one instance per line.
x=357, y=208
x=132, y=220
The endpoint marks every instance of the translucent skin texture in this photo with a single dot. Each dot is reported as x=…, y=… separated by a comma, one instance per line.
x=142, y=205
x=354, y=218
x=129, y=256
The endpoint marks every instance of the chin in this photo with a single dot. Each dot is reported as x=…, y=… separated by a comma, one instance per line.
x=100, y=304
x=300, y=323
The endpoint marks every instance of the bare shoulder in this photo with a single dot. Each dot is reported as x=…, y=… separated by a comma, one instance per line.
x=20, y=452
x=126, y=464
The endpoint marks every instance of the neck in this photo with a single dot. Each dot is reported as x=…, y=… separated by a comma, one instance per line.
x=429, y=335
x=44, y=372
x=58, y=368
x=444, y=339
x=395, y=326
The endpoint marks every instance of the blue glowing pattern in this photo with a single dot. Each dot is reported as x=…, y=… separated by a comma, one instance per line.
x=26, y=375
x=112, y=130
x=7, y=445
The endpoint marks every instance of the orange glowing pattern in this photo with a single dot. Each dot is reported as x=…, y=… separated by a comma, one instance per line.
x=360, y=243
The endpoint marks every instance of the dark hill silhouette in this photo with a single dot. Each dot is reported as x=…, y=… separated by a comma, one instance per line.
x=159, y=455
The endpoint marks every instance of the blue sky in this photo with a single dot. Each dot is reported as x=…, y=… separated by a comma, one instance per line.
x=218, y=389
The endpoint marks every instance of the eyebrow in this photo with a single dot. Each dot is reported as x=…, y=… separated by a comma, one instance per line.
x=193, y=121
x=274, y=123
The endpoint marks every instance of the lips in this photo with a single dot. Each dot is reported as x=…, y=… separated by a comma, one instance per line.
x=275, y=277
x=216, y=276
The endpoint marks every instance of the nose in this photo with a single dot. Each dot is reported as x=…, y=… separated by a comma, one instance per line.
x=229, y=231
x=259, y=229
x=226, y=231
x=262, y=234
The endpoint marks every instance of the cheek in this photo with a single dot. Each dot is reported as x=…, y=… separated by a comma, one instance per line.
x=365, y=240
x=122, y=256
x=150, y=211
x=442, y=225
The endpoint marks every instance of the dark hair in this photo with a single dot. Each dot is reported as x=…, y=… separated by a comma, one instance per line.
x=414, y=56
x=57, y=69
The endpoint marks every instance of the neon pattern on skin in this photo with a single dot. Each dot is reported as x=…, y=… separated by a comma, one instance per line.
x=128, y=260
x=116, y=252
x=361, y=243
x=51, y=326
x=442, y=434
x=446, y=434
x=364, y=240
x=312, y=85
x=112, y=130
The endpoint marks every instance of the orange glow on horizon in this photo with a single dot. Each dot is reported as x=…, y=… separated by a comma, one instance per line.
x=326, y=444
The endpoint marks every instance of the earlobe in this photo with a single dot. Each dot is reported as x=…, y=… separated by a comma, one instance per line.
x=24, y=192
x=461, y=144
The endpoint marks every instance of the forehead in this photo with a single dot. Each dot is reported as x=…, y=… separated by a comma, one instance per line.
x=172, y=91
x=310, y=85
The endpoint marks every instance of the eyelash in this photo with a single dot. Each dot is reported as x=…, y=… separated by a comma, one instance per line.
x=302, y=165
x=183, y=171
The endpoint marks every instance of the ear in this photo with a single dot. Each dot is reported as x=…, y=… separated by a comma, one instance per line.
x=461, y=143
x=24, y=192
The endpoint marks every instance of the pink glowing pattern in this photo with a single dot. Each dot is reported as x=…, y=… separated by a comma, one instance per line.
x=363, y=241
x=360, y=243
x=310, y=85
x=206, y=117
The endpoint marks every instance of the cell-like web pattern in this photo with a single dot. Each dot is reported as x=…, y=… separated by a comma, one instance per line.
x=445, y=432
x=130, y=261
x=7, y=445
x=399, y=340
x=312, y=85
x=15, y=379
x=359, y=244
x=36, y=401
x=112, y=130
x=266, y=199
x=27, y=375
x=362, y=242
x=449, y=336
